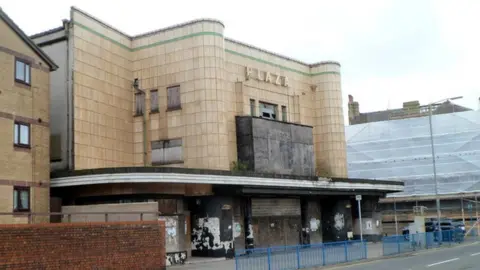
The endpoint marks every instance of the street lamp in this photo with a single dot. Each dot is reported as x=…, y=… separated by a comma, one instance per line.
x=433, y=158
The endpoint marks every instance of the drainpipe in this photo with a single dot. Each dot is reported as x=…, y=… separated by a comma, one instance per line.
x=144, y=119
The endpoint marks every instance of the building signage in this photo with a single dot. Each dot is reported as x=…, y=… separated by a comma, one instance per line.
x=265, y=76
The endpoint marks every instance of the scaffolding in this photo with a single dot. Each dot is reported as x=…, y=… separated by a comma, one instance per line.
x=401, y=150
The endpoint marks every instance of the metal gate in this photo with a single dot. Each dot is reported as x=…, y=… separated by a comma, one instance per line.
x=276, y=221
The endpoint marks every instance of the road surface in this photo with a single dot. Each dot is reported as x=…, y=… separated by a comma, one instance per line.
x=463, y=257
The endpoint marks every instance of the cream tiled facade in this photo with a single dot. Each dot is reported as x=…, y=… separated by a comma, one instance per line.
x=25, y=167
x=218, y=79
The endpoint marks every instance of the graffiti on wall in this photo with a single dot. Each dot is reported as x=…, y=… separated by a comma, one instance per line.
x=173, y=258
x=314, y=224
x=238, y=230
x=171, y=223
x=339, y=221
x=206, y=235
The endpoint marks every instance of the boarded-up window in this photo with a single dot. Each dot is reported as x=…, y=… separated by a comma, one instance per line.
x=284, y=113
x=167, y=152
x=252, y=107
x=139, y=103
x=154, y=101
x=173, y=98
x=275, y=207
x=268, y=110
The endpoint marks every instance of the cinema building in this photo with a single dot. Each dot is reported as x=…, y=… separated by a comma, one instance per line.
x=236, y=142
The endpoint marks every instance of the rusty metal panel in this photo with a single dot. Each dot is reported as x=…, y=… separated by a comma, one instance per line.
x=167, y=206
x=275, y=207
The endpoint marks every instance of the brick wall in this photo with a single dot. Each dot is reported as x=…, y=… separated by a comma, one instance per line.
x=114, y=245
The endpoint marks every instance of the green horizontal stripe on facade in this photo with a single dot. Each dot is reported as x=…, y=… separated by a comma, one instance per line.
x=178, y=39
x=102, y=36
x=280, y=66
x=201, y=34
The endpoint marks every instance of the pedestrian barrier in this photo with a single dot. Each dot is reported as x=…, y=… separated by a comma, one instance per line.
x=301, y=256
x=397, y=244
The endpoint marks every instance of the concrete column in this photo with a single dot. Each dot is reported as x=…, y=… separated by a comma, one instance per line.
x=336, y=219
x=312, y=219
x=305, y=232
x=329, y=129
x=249, y=239
x=212, y=224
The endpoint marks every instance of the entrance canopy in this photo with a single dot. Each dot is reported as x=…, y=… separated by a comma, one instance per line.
x=247, y=182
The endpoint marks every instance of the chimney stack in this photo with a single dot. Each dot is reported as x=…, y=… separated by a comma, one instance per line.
x=478, y=109
x=350, y=99
x=353, y=109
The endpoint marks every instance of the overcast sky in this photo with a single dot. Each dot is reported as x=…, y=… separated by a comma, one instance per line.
x=390, y=51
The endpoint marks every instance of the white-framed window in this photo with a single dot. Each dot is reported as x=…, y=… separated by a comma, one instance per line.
x=21, y=134
x=21, y=199
x=22, y=71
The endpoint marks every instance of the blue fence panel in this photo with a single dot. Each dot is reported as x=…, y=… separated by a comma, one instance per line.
x=357, y=251
x=283, y=258
x=335, y=253
x=302, y=256
x=254, y=259
x=311, y=255
x=413, y=242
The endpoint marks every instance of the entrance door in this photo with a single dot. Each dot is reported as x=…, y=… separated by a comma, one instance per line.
x=276, y=221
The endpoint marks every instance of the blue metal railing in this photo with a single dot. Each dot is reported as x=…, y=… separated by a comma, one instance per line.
x=301, y=256
x=397, y=244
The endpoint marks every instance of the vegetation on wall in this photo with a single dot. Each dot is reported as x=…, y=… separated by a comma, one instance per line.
x=323, y=173
x=239, y=166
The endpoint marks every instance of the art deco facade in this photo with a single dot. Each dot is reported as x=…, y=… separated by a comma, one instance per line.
x=160, y=120
x=193, y=83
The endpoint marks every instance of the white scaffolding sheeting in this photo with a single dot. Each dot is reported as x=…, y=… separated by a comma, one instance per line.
x=401, y=150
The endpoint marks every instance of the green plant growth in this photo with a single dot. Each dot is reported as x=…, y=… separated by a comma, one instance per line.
x=238, y=166
x=323, y=173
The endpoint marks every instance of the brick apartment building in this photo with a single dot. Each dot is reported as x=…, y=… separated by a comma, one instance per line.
x=24, y=124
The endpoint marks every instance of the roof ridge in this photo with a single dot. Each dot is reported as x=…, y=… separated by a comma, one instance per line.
x=152, y=32
x=27, y=40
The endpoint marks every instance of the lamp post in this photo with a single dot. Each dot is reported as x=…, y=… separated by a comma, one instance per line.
x=433, y=158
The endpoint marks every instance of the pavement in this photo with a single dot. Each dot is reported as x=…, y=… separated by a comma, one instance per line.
x=461, y=257
x=374, y=251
